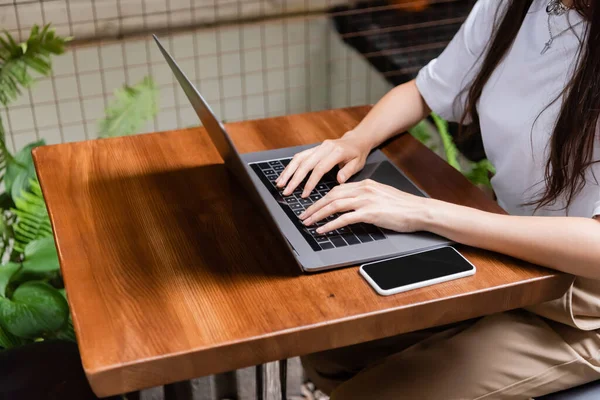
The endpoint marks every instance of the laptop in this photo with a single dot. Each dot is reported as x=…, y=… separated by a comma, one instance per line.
x=258, y=171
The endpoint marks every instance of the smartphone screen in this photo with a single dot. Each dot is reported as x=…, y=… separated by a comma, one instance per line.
x=416, y=268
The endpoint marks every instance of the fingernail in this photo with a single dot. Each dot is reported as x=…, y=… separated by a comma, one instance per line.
x=286, y=192
x=307, y=222
x=320, y=230
x=301, y=216
x=342, y=177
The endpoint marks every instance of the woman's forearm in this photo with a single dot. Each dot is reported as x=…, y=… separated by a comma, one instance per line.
x=567, y=244
x=400, y=109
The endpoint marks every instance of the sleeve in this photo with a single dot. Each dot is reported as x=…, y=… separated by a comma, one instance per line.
x=442, y=80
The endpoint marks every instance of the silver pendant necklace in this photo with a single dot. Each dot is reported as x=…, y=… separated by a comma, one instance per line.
x=555, y=7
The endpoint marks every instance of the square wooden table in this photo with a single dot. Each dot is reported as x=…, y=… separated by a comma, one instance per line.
x=172, y=274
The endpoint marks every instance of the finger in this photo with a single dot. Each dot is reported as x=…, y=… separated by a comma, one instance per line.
x=336, y=206
x=322, y=167
x=343, y=220
x=303, y=169
x=348, y=170
x=339, y=192
x=288, y=171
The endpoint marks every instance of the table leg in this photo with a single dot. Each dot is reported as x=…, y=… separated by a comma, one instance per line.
x=260, y=392
x=179, y=391
x=283, y=378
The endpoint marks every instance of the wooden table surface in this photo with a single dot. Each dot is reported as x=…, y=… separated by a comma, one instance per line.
x=171, y=273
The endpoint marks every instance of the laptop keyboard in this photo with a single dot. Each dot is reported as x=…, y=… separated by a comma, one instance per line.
x=294, y=205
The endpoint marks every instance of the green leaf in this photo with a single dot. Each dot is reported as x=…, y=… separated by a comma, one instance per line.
x=20, y=172
x=421, y=132
x=36, y=309
x=66, y=333
x=8, y=340
x=17, y=58
x=5, y=155
x=480, y=173
x=32, y=221
x=130, y=110
x=41, y=256
x=450, y=149
x=6, y=273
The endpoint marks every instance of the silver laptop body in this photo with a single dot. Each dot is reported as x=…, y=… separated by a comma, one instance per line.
x=256, y=171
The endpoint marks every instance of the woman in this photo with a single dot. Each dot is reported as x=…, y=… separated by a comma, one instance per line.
x=525, y=75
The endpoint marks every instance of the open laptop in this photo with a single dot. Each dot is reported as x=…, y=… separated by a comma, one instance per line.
x=257, y=172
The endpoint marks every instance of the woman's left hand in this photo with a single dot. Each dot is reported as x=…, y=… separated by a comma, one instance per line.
x=371, y=202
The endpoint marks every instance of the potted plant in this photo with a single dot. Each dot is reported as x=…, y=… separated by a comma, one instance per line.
x=38, y=353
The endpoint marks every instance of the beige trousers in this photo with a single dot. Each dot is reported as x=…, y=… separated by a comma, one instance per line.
x=512, y=355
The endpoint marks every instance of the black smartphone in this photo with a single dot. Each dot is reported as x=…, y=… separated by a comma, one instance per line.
x=416, y=270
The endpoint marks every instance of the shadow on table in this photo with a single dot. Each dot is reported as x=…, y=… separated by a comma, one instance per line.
x=194, y=220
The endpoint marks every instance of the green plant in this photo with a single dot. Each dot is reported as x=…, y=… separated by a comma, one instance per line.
x=17, y=62
x=33, y=304
x=132, y=108
x=477, y=172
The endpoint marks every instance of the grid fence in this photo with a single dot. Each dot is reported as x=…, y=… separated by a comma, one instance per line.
x=249, y=58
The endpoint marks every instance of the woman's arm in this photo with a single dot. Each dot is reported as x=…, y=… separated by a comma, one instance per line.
x=400, y=109
x=397, y=111
x=568, y=244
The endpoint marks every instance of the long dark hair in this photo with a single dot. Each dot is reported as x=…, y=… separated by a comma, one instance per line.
x=572, y=143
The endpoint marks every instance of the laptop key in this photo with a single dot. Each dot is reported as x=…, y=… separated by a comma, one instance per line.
x=326, y=246
x=272, y=178
x=298, y=212
x=268, y=172
x=378, y=236
x=278, y=167
x=350, y=238
x=272, y=163
x=306, y=201
x=264, y=165
x=369, y=228
x=315, y=197
x=321, y=239
x=290, y=199
x=296, y=206
x=285, y=161
x=338, y=241
x=321, y=187
x=313, y=232
x=364, y=237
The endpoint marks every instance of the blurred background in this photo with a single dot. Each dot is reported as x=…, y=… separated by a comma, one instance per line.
x=249, y=58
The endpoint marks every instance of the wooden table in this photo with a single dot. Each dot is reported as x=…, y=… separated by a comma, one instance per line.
x=171, y=273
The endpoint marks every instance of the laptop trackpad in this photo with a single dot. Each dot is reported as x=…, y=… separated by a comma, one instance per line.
x=384, y=172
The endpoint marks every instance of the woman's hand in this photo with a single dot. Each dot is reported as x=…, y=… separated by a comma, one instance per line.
x=371, y=202
x=348, y=152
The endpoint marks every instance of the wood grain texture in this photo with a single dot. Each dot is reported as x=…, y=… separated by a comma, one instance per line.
x=171, y=274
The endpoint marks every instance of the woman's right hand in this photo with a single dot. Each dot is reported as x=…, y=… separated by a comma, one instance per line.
x=348, y=152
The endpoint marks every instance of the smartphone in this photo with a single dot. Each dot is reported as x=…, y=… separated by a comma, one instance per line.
x=412, y=271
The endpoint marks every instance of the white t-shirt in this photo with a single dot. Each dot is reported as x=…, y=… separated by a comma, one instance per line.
x=522, y=85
